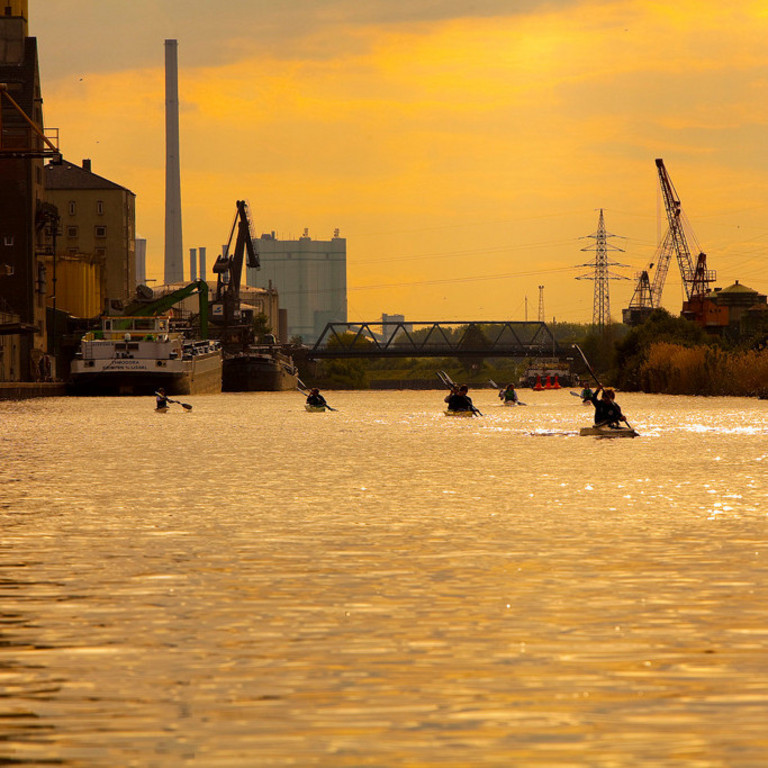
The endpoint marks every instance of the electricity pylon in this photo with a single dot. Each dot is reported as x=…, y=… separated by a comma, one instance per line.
x=601, y=308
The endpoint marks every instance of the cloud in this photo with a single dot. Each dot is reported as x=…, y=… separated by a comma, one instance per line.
x=111, y=36
x=420, y=130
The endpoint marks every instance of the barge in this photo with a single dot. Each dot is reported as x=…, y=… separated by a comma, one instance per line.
x=138, y=355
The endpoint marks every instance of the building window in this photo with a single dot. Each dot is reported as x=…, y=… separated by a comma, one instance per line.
x=72, y=207
x=101, y=252
x=100, y=207
x=71, y=231
x=8, y=240
x=100, y=231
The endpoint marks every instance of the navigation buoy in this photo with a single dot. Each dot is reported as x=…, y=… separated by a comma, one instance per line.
x=556, y=385
x=548, y=384
x=538, y=386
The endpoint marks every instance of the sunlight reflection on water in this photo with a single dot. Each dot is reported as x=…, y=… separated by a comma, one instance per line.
x=251, y=584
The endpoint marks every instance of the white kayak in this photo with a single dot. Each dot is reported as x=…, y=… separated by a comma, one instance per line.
x=607, y=432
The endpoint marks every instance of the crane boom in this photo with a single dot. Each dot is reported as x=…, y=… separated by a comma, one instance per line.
x=663, y=257
x=229, y=268
x=695, y=279
x=164, y=303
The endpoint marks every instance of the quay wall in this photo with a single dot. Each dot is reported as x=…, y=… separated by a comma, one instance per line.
x=22, y=390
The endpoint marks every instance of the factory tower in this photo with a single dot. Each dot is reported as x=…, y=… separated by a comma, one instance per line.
x=174, y=259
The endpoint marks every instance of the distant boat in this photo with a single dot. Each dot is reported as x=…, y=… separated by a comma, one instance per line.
x=261, y=368
x=139, y=355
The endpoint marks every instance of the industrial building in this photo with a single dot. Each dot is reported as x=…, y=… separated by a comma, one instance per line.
x=96, y=244
x=27, y=222
x=311, y=278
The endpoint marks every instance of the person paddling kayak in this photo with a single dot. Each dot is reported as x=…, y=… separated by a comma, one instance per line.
x=586, y=393
x=509, y=395
x=607, y=410
x=161, y=401
x=315, y=399
x=459, y=400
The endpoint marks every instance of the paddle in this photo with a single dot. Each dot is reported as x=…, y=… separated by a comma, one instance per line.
x=451, y=384
x=594, y=375
x=185, y=406
x=304, y=389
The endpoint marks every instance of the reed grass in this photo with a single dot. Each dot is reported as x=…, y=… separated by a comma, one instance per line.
x=703, y=370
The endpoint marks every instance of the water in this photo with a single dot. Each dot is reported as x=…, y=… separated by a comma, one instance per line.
x=252, y=585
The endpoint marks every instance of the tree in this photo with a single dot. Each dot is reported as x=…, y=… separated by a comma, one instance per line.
x=261, y=326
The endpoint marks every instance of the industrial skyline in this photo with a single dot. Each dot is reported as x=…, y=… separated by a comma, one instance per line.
x=462, y=154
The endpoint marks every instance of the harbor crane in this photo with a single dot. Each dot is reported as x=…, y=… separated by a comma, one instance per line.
x=146, y=305
x=696, y=278
x=228, y=267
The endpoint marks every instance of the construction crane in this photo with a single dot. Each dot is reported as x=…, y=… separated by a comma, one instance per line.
x=233, y=331
x=229, y=266
x=695, y=278
x=647, y=295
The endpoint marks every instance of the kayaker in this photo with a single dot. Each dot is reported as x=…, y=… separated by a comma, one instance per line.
x=509, y=394
x=607, y=411
x=161, y=401
x=460, y=400
x=315, y=398
x=586, y=392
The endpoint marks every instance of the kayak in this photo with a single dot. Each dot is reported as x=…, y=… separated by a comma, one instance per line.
x=162, y=410
x=607, y=432
x=315, y=408
x=460, y=414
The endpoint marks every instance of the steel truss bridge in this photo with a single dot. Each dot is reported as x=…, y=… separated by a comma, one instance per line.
x=435, y=339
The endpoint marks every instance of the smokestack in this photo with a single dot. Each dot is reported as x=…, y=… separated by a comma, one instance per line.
x=174, y=259
x=203, y=270
x=192, y=264
x=141, y=261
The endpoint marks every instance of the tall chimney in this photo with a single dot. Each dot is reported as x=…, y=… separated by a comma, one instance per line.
x=174, y=258
x=192, y=264
x=203, y=270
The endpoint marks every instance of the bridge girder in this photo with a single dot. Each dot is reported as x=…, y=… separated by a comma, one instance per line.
x=369, y=340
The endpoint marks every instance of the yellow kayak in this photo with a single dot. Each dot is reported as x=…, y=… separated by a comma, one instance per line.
x=607, y=432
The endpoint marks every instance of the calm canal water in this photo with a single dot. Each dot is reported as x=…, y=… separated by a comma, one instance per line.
x=249, y=584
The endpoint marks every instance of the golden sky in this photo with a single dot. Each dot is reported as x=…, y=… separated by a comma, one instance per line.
x=464, y=154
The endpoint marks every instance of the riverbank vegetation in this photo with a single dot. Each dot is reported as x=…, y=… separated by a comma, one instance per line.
x=704, y=370
x=675, y=356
